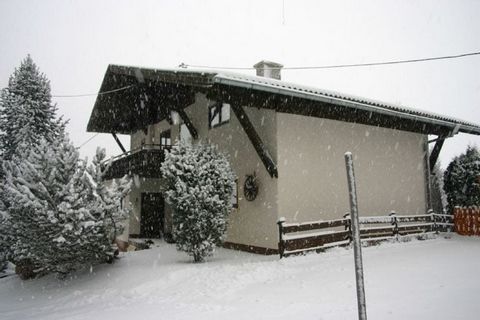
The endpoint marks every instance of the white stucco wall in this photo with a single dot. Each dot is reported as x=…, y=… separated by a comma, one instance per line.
x=312, y=184
x=253, y=223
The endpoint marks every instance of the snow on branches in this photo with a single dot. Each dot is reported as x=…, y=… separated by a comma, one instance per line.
x=27, y=114
x=199, y=184
x=462, y=180
x=60, y=215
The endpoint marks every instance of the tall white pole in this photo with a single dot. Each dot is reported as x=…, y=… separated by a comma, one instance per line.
x=357, y=248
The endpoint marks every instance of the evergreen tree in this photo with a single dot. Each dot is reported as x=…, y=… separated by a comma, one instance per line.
x=26, y=110
x=109, y=198
x=461, y=180
x=4, y=245
x=199, y=184
x=56, y=215
x=436, y=187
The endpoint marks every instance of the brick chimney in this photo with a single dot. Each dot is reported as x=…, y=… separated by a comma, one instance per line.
x=268, y=69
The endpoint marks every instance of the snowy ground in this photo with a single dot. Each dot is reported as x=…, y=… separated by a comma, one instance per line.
x=432, y=279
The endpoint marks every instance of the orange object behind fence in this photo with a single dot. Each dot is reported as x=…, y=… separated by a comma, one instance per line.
x=467, y=221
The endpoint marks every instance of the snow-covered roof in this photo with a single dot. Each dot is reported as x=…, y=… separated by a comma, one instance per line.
x=307, y=92
x=117, y=76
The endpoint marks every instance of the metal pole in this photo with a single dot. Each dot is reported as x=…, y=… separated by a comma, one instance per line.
x=357, y=249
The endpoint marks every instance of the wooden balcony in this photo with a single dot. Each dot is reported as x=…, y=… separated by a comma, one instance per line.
x=144, y=162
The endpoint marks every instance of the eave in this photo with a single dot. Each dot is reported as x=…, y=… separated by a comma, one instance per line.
x=149, y=97
x=153, y=93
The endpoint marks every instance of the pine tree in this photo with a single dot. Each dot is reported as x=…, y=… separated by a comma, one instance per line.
x=56, y=215
x=26, y=110
x=461, y=180
x=200, y=184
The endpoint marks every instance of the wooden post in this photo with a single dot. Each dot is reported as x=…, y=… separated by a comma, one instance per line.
x=433, y=220
x=281, y=245
x=348, y=225
x=393, y=215
x=357, y=248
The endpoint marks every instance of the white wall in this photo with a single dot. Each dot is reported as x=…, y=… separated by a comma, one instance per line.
x=312, y=184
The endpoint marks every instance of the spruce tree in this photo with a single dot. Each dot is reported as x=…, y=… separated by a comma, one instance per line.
x=461, y=180
x=26, y=110
x=57, y=219
x=199, y=187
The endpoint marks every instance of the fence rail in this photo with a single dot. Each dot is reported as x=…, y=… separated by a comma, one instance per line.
x=318, y=235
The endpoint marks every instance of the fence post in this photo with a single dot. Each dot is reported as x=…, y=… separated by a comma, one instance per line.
x=348, y=225
x=357, y=247
x=433, y=220
x=281, y=244
x=393, y=215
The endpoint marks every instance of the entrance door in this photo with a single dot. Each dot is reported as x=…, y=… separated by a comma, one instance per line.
x=152, y=213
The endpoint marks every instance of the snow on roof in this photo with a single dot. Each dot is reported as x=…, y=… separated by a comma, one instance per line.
x=208, y=77
x=307, y=92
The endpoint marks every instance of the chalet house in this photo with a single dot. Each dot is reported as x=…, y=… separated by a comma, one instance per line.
x=286, y=144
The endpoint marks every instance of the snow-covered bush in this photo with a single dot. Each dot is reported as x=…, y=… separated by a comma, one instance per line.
x=461, y=180
x=199, y=186
x=58, y=216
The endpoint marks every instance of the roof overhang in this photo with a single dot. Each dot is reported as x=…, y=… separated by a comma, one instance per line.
x=152, y=93
x=136, y=97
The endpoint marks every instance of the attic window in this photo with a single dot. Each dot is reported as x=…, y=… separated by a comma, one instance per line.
x=218, y=114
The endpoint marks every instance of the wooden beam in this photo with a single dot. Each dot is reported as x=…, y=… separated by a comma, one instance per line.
x=188, y=123
x=292, y=105
x=118, y=142
x=255, y=139
x=436, y=151
x=427, y=173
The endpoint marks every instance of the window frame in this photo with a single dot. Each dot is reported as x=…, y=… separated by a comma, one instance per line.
x=218, y=113
x=166, y=134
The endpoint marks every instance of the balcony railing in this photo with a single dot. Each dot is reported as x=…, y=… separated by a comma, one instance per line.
x=144, y=162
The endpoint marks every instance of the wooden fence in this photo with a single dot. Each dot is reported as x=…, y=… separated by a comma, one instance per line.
x=467, y=221
x=316, y=236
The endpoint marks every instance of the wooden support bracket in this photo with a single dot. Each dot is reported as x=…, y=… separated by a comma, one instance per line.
x=118, y=142
x=188, y=123
x=256, y=141
x=436, y=151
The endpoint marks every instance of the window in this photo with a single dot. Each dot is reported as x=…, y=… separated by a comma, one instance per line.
x=185, y=135
x=218, y=114
x=235, y=195
x=165, y=139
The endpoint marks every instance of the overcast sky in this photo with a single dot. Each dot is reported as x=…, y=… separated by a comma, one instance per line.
x=74, y=41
